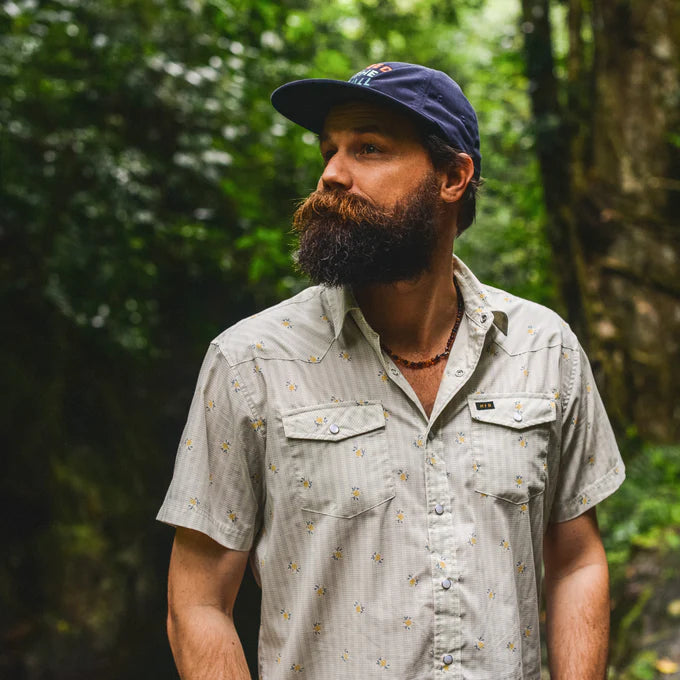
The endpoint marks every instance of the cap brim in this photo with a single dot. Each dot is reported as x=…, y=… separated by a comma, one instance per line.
x=307, y=102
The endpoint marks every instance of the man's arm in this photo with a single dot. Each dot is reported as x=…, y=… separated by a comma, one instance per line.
x=577, y=599
x=203, y=581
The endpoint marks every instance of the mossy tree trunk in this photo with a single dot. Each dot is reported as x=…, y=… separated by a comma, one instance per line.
x=608, y=140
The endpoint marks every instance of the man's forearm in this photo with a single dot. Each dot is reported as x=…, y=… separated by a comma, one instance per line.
x=578, y=623
x=205, y=645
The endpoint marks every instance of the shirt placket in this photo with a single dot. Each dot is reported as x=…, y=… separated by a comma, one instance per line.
x=446, y=580
x=447, y=642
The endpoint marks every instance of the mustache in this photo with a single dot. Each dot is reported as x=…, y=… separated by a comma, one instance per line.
x=338, y=203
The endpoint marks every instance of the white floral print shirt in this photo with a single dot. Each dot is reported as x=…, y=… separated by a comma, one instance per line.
x=387, y=543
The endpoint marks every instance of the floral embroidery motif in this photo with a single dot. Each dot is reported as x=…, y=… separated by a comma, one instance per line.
x=479, y=644
x=316, y=628
x=337, y=553
x=296, y=668
x=359, y=453
x=310, y=527
x=306, y=483
x=294, y=567
x=286, y=323
x=320, y=590
x=403, y=475
x=194, y=503
x=285, y=614
x=356, y=492
x=491, y=594
x=408, y=622
x=345, y=655
x=505, y=544
x=358, y=607
x=383, y=663
x=210, y=406
x=400, y=516
x=225, y=446
x=519, y=480
x=377, y=557
x=521, y=567
x=383, y=376
x=236, y=385
x=189, y=443
x=413, y=581
x=231, y=515
x=292, y=387
x=257, y=424
x=345, y=356
x=472, y=539
x=460, y=438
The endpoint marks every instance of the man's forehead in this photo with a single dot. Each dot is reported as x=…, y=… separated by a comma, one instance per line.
x=361, y=116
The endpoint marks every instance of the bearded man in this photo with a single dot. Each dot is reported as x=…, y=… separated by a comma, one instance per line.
x=399, y=448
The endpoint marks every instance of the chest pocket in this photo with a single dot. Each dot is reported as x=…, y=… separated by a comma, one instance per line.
x=510, y=439
x=339, y=457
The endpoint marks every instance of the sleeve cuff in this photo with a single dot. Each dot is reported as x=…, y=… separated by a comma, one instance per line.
x=176, y=516
x=590, y=496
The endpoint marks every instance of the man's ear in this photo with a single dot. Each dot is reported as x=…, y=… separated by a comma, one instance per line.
x=456, y=178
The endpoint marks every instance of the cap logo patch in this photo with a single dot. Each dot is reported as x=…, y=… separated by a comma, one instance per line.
x=365, y=76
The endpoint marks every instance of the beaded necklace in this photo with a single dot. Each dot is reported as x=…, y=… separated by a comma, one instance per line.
x=449, y=344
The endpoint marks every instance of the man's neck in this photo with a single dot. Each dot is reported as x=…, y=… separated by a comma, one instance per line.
x=414, y=318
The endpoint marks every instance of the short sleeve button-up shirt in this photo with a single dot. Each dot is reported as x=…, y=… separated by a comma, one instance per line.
x=388, y=543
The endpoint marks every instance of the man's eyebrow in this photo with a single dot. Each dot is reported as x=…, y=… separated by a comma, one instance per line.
x=362, y=129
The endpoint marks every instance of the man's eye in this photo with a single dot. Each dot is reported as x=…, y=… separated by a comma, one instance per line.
x=369, y=148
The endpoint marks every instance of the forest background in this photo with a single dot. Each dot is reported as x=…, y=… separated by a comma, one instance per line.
x=146, y=189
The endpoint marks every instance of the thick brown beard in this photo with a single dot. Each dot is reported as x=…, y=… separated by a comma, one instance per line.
x=345, y=239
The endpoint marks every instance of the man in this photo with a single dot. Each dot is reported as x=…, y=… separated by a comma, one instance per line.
x=399, y=448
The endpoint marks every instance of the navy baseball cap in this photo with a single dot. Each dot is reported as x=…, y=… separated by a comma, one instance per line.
x=428, y=96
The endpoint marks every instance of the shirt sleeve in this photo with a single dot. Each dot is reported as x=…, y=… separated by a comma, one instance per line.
x=214, y=488
x=591, y=467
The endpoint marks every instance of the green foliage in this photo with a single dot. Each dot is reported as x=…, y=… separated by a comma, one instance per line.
x=645, y=513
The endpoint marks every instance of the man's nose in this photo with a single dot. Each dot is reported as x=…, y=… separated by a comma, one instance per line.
x=336, y=174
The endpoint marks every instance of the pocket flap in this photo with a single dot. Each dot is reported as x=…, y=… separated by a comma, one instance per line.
x=512, y=410
x=333, y=422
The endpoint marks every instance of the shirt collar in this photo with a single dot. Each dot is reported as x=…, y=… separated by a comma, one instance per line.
x=478, y=304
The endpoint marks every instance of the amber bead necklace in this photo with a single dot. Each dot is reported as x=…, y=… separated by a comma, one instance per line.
x=436, y=359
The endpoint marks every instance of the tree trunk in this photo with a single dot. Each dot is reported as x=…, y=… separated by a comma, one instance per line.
x=613, y=197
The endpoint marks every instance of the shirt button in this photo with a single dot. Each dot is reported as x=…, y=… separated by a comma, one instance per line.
x=518, y=417
x=447, y=659
x=446, y=583
x=439, y=509
x=430, y=435
x=334, y=429
x=483, y=318
x=459, y=373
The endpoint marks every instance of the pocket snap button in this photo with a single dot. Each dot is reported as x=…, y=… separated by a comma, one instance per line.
x=517, y=417
x=334, y=429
